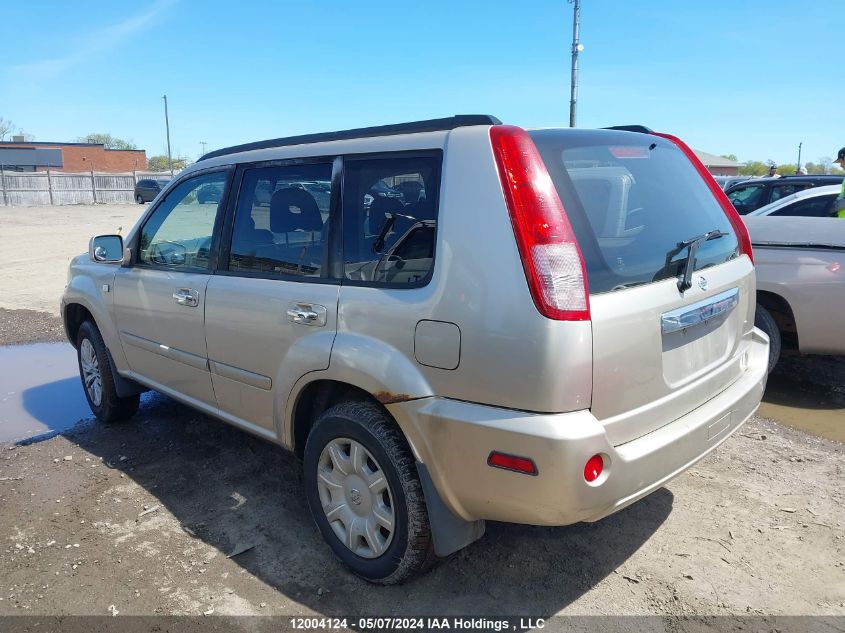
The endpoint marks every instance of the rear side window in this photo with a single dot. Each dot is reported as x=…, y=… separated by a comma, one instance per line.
x=818, y=207
x=390, y=219
x=632, y=199
x=280, y=225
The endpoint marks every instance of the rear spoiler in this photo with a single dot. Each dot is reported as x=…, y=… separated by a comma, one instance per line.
x=642, y=129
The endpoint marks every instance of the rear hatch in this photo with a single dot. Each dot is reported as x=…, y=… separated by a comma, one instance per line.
x=659, y=351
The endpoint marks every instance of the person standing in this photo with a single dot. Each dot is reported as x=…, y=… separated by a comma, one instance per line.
x=773, y=171
x=839, y=206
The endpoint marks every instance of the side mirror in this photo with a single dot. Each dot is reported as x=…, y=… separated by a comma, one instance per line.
x=106, y=248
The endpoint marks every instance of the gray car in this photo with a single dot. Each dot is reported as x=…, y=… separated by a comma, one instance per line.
x=552, y=325
x=146, y=189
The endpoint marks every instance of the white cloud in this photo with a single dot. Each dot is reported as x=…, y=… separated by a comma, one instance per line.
x=95, y=43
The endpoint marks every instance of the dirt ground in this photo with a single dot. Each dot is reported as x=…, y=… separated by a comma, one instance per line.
x=176, y=513
x=149, y=516
x=37, y=243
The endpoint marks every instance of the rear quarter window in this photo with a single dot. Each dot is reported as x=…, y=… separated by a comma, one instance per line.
x=631, y=199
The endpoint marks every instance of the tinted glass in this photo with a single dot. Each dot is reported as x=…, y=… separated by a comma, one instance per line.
x=781, y=191
x=178, y=233
x=818, y=207
x=390, y=219
x=281, y=221
x=631, y=198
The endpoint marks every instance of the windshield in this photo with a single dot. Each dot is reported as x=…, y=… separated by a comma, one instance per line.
x=632, y=200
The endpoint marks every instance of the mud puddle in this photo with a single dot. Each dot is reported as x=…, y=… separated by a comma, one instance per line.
x=808, y=393
x=40, y=390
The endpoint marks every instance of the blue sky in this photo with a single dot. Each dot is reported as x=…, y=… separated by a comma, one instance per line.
x=747, y=77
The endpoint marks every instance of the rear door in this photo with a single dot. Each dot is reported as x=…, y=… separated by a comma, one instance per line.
x=271, y=309
x=659, y=350
x=159, y=302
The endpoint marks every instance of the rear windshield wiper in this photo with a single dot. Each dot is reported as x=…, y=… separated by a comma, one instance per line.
x=692, y=244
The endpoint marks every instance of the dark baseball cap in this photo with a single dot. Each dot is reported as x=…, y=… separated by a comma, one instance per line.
x=840, y=155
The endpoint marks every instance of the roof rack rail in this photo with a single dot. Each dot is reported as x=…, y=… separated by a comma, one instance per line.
x=430, y=125
x=642, y=129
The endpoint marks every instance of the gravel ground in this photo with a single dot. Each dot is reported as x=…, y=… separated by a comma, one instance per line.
x=30, y=326
x=37, y=243
x=145, y=516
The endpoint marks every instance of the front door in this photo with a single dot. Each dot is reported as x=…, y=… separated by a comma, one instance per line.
x=160, y=300
x=271, y=309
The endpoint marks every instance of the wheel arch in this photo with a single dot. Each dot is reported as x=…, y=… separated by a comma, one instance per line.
x=782, y=313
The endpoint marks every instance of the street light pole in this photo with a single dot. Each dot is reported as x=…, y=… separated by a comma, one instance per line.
x=576, y=48
x=798, y=166
x=203, y=143
x=167, y=125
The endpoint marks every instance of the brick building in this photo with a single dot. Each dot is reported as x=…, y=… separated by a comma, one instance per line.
x=718, y=165
x=41, y=156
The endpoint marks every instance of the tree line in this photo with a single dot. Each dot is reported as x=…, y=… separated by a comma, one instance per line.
x=823, y=165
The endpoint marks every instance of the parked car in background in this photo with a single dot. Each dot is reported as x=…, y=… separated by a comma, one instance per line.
x=817, y=202
x=750, y=195
x=727, y=181
x=800, y=265
x=209, y=193
x=561, y=324
x=148, y=188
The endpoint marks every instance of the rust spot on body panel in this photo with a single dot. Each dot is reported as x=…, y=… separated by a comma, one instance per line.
x=385, y=397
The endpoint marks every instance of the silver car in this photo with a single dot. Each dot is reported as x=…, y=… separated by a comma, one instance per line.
x=553, y=325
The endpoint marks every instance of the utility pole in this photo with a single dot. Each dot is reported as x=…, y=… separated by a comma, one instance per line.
x=167, y=125
x=203, y=143
x=577, y=47
x=798, y=166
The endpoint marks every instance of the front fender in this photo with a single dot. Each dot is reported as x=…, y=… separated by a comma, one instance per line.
x=91, y=285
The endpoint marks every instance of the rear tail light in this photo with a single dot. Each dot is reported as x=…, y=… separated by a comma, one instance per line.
x=736, y=221
x=550, y=254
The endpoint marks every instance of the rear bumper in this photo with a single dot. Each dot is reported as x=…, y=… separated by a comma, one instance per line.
x=454, y=440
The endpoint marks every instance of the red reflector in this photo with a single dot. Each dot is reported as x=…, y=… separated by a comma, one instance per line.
x=593, y=468
x=512, y=462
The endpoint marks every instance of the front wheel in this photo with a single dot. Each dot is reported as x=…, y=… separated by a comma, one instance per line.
x=365, y=495
x=139, y=199
x=97, y=379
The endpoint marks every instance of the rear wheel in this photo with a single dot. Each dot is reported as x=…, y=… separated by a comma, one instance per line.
x=139, y=199
x=96, y=374
x=364, y=492
x=764, y=320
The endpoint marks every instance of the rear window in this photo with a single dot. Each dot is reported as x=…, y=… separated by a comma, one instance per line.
x=631, y=199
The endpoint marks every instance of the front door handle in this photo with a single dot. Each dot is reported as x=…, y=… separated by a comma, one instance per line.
x=187, y=297
x=307, y=314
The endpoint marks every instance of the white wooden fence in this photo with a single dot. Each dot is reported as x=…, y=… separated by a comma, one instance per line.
x=37, y=188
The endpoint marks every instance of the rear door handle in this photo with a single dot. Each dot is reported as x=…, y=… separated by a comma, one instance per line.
x=307, y=314
x=187, y=297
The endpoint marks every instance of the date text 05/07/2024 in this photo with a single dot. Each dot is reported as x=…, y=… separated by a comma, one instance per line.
x=421, y=623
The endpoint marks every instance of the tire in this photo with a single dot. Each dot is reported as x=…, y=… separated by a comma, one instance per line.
x=764, y=320
x=139, y=199
x=408, y=548
x=95, y=371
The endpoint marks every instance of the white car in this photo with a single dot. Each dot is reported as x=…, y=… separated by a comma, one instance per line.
x=800, y=280
x=816, y=202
